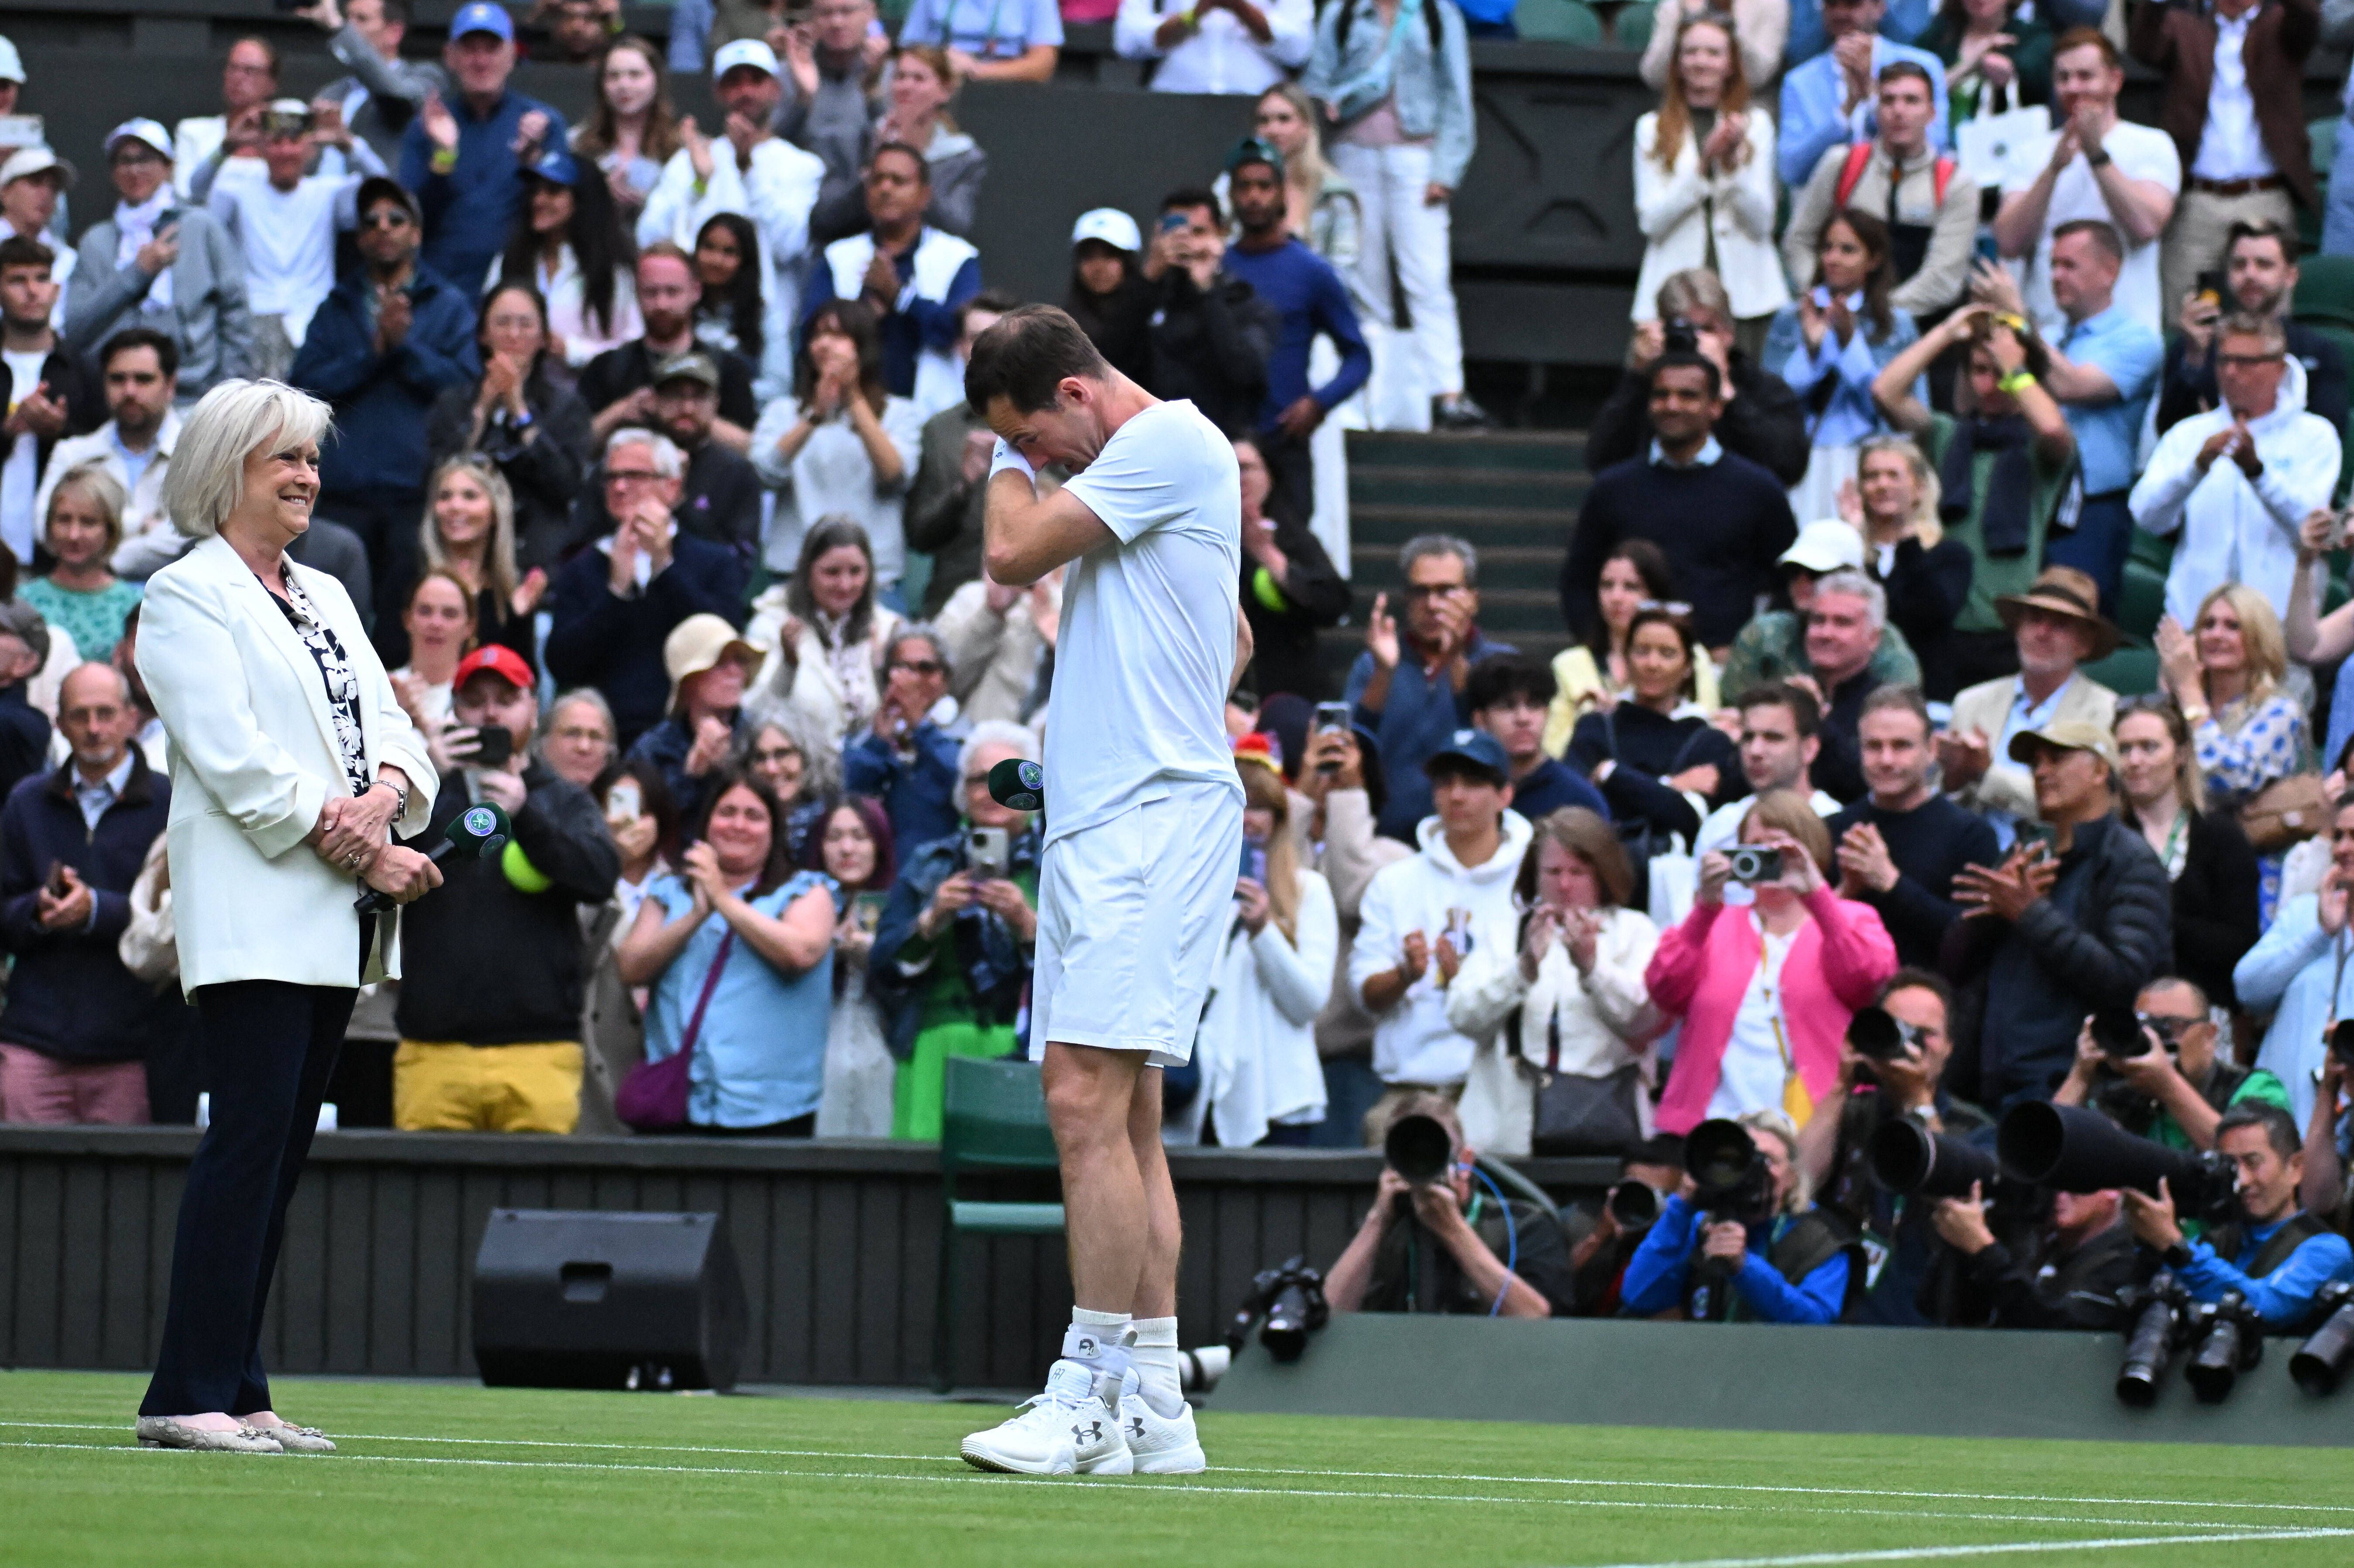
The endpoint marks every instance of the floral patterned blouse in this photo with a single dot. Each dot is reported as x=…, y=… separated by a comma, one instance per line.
x=335, y=670
x=2249, y=743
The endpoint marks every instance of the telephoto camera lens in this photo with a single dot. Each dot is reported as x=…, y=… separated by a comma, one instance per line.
x=1875, y=1034
x=2232, y=1345
x=1298, y=1310
x=1418, y=1148
x=2146, y=1349
x=1634, y=1205
x=2117, y=1032
x=2320, y=1364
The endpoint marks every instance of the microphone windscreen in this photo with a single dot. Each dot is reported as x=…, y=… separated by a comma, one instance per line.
x=1018, y=785
x=480, y=830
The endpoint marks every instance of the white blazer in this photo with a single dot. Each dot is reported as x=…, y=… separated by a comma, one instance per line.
x=254, y=761
x=1676, y=208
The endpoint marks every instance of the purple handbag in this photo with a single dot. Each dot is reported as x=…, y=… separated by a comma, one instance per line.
x=653, y=1098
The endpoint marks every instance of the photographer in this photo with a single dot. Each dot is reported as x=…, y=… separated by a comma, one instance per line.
x=2174, y=1090
x=1603, y=1234
x=1789, y=1261
x=1763, y=419
x=2280, y=1256
x=1461, y=1235
x=2067, y=1277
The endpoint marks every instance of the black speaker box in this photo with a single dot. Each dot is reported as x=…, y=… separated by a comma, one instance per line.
x=572, y=1299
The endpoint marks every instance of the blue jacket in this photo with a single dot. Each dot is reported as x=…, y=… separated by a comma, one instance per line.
x=984, y=970
x=383, y=401
x=616, y=644
x=1905, y=20
x=2283, y=1297
x=1430, y=89
x=70, y=996
x=472, y=210
x=920, y=792
x=1409, y=727
x=1656, y=1274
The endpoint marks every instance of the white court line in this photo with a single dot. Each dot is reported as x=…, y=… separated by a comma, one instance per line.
x=1925, y=1553
x=1180, y=1488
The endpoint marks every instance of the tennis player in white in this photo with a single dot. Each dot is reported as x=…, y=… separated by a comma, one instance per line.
x=1144, y=813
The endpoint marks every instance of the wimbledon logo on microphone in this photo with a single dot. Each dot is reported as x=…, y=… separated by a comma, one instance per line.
x=483, y=824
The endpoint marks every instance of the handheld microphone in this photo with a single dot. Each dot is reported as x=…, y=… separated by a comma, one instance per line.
x=1018, y=785
x=480, y=832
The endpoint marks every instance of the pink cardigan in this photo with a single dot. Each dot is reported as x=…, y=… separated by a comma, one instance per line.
x=1702, y=969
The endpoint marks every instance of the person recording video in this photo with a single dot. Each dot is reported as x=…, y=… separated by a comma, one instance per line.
x=1431, y=1243
x=2170, y=1086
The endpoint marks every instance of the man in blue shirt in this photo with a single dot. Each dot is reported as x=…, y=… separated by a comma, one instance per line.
x=1905, y=21
x=2279, y=1256
x=991, y=41
x=1778, y=1272
x=468, y=163
x=1832, y=98
x=1308, y=298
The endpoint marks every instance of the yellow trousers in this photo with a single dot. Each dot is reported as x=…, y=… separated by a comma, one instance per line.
x=439, y=1088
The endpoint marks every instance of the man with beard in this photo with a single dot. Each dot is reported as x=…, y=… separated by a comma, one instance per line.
x=721, y=501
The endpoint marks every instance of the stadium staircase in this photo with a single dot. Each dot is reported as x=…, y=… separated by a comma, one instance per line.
x=1512, y=495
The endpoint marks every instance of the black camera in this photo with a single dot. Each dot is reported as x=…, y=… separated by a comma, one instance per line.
x=2320, y=1364
x=1878, y=1036
x=1419, y=1149
x=2155, y=1315
x=2117, y=1031
x=2342, y=1043
x=1907, y=1158
x=1755, y=863
x=1678, y=335
x=1634, y=1205
x=1731, y=1181
x=1290, y=1299
x=2072, y=1150
x=2231, y=1341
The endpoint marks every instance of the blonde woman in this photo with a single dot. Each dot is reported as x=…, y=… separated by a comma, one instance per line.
x=2225, y=675
x=81, y=525
x=1892, y=500
x=1570, y=994
x=1704, y=191
x=468, y=532
x=2207, y=858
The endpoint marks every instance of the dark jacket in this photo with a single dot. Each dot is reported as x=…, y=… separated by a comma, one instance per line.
x=1649, y=748
x=1211, y=345
x=546, y=473
x=382, y=400
x=2094, y=941
x=943, y=513
x=667, y=746
x=472, y=210
x=918, y=792
x=1929, y=844
x=494, y=619
x=988, y=973
x=1310, y=595
x=616, y=644
x=2215, y=919
x=24, y=738
x=491, y=963
x=1722, y=527
x=1926, y=588
x=2046, y=1289
x=2187, y=385
x=617, y=372
x=719, y=502
x=1119, y=323
x=69, y=997
x=72, y=381
x=2179, y=43
x=1765, y=422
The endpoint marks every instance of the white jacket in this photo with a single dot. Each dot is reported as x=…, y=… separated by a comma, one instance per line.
x=1605, y=1019
x=1677, y=208
x=1413, y=1042
x=802, y=675
x=993, y=657
x=1258, y=1045
x=2233, y=529
x=939, y=256
x=776, y=194
x=145, y=514
x=254, y=761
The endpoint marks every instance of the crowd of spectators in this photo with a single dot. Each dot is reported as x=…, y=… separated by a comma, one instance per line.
x=655, y=472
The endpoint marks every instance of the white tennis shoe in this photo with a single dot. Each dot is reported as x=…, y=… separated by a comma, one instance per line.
x=1159, y=1445
x=1068, y=1429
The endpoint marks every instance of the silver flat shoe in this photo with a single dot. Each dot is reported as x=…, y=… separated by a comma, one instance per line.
x=299, y=1439
x=162, y=1431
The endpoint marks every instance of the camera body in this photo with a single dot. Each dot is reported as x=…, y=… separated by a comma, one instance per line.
x=2342, y=1043
x=1678, y=335
x=2320, y=1364
x=1290, y=1299
x=1755, y=863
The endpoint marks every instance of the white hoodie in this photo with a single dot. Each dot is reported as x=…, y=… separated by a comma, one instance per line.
x=1413, y=1043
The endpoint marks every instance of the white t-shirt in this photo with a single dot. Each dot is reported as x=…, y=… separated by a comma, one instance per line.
x=2141, y=152
x=1753, y=1069
x=20, y=466
x=1146, y=643
x=288, y=237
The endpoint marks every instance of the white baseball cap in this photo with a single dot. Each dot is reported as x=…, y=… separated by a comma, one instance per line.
x=26, y=162
x=12, y=64
x=1111, y=227
x=1827, y=544
x=146, y=132
x=743, y=52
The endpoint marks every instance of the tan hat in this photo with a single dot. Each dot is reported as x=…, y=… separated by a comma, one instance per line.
x=702, y=643
x=2068, y=735
x=2065, y=591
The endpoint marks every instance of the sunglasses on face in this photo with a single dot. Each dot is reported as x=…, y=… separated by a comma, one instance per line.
x=921, y=666
x=390, y=218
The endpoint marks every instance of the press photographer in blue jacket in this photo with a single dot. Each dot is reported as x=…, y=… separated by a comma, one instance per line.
x=1795, y=1266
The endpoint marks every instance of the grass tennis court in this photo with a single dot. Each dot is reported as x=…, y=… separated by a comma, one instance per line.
x=444, y=1475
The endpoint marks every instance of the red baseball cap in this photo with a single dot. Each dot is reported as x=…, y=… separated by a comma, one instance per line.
x=500, y=661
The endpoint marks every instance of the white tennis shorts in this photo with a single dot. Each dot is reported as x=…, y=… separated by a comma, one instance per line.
x=1130, y=913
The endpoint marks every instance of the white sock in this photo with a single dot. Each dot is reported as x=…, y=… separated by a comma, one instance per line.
x=1095, y=1340
x=1153, y=1347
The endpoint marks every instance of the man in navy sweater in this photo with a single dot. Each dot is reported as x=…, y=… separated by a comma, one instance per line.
x=1307, y=298
x=1900, y=846
x=1722, y=520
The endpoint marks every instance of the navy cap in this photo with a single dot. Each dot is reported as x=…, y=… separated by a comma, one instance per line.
x=482, y=17
x=1478, y=747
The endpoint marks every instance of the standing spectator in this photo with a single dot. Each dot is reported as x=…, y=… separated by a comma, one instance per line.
x=1832, y=345
x=1400, y=97
x=1765, y=995
x=1593, y=673
x=519, y=421
x=33, y=182
x=615, y=603
x=944, y=500
x=921, y=83
x=77, y=1027
x=575, y=739
x=734, y=315
x=1001, y=642
x=1759, y=26
x=1781, y=734
x=1931, y=208
x=827, y=64
x=392, y=337
x=2260, y=280
x=1831, y=99
x=1223, y=47
x=2003, y=465
x=825, y=632
x=738, y=948
x=1422, y=915
x=2239, y=517
x=469, y=532
x=911, y=275
x=2059, y=929
x=575, y=29
x=79, y=595
x=2225, y=674
x=632, y=132
x=1777, y=644
x=618, y=385
x=1110, y=297
x=138, y=370
x=908, y=759
x=709, y=666
x=2205, y=854
x=1847, y=628
x=843, y=445
x=1411, y=705
x=490, y=1013
x=1997, y=55
x=2056, y=626
x=470, y=166
x=384, y=91
x=1906, y=551
x=51, y=394
x=249, y=81
x=1655, y=757
x=2294, y=970
x=568, y=246
x=1722, y=521
x=24, y=729
x=2099, y=166
x=854, y=846
x=2245, y=162
x=1704, y=191
x=1763, y=419
x=1900, y=847
x=986, y=44
x=1812, y=29
x=1509, y=697
x=1208, y=334
x=700, y=26
x=1289, y=590
x=155, y=264
x=952, y=957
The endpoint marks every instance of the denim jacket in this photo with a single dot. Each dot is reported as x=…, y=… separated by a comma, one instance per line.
x=1431, y=95
x=985, y=961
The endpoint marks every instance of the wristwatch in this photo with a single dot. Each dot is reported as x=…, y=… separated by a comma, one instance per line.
x=2097, y=158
